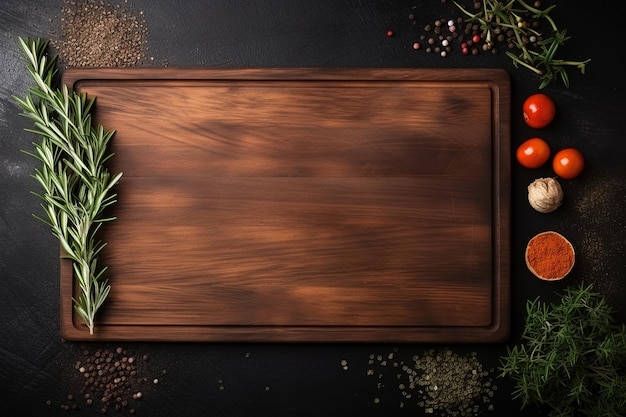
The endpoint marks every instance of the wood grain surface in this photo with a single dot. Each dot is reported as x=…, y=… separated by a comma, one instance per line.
x=303, y=205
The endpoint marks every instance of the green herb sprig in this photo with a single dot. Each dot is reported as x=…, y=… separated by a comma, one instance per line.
x=542, y=60
x=77, y=186
x=573, y=358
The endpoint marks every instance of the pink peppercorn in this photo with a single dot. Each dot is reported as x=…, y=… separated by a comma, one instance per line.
x=390, y=33
x=416, y=45
x=476, y=38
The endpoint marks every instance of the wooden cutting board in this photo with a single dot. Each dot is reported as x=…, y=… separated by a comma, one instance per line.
x=303, y=205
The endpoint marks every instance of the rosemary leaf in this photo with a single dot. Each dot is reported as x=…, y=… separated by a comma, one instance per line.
x=77, y=187
x=512, y=15
x=572, y=359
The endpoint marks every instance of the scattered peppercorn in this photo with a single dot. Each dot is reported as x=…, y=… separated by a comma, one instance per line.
x=110, y=378
x=441, y=32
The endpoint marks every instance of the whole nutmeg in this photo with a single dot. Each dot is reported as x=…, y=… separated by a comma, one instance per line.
x=545, y=195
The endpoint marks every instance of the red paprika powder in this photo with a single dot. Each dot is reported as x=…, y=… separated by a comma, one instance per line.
x=549, y=256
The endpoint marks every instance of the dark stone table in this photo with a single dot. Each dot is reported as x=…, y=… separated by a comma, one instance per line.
x=41, y=375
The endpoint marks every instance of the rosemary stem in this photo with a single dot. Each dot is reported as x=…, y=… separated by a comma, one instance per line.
x=538, y=54
x=77, y=186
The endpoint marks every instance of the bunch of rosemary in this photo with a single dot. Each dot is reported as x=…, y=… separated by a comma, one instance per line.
x=510, y=16
x=77, y=185
x=573, y=359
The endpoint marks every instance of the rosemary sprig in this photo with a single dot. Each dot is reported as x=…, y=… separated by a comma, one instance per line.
x=573, y=357
x=77, y=186
x=512, y=15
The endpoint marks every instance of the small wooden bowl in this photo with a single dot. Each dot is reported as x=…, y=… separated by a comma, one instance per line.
x=550, y=256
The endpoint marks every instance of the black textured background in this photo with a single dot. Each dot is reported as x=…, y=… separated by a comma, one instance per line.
x=37, y=367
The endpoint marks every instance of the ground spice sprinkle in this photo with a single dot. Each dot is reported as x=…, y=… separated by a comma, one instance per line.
x=99, y=34
x=439, y=382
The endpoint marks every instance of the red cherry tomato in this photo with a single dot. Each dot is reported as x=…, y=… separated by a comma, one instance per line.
x=568, y=163
x=538, y=110
x=533, y=153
